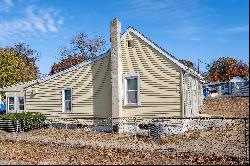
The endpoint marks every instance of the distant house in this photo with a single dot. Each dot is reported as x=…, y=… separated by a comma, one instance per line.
x=134, y=78
x=213, y=89
x=237, y=86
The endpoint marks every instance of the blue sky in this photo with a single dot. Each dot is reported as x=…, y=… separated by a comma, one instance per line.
x=188, y=29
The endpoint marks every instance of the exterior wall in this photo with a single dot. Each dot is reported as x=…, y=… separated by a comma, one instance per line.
x=192, y=96
x=91, y=92
x=19, y=93
x=160, y=80
x=164, y=89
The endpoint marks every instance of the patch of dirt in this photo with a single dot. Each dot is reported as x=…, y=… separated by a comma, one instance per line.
x=227, y=107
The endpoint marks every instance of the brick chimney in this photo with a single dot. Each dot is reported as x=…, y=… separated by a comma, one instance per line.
x=116, y=68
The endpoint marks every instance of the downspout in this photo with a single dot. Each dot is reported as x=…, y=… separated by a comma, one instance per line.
x=7, y=103
x=183, y=93
x=24, y=100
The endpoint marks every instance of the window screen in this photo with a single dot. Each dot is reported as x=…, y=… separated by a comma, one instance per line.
x=11, y=102
x=67, y=100
x=21, y=103
x=132, y=97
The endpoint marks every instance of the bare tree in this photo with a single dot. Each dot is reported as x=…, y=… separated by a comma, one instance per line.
x=82, y=45
x=81, y=48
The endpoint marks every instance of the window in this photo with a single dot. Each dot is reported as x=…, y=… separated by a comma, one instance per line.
x=132, y=89
x=20, y=104
x=67, y=100
x=11, y=104
x=223, y=87
x=130, y=43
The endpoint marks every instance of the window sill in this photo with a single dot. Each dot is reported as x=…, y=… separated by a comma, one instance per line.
x=132, y=105
x=67, y=112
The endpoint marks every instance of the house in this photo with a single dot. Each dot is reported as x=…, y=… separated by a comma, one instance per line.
x=134, y=78
x=237, y=86
x=213, y=89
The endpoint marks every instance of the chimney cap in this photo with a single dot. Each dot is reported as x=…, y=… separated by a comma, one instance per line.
x=115, y=20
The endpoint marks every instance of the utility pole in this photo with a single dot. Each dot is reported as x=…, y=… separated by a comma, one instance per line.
x=198, y=66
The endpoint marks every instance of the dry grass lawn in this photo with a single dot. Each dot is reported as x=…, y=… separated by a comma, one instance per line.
x=27, y=153
x=227, y=107
x=75, y=146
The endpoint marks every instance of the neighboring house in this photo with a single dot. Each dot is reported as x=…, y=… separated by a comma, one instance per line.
x=237, y=86
x=15, y=97
x=237, y=79
x=135, y=78
x=213, y=89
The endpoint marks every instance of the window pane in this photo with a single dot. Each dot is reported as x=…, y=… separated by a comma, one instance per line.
x=21, y=107
x=68, y=106
x=132, y=84
x=67, y=94
x=11, y=100
x=11, y=108
x=21, y=100
x=132, y=96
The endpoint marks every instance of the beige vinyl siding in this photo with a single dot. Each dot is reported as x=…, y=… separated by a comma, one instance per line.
x=160, y=80
x=91, y=92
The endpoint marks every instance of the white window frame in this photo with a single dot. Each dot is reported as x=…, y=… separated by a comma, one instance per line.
x=18, y=104
x=8, y=101
x=63, y=100
x=125, y=78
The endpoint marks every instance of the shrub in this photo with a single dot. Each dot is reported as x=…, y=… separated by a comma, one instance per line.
x=27, y=120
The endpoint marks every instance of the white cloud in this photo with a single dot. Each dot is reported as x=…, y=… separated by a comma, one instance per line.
x=33, y=22
x=60, y=21
x=237, y=29
x=169, y=9
x=195, y=39
x=221, y=39
x=51, y=24
x=5, y=5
